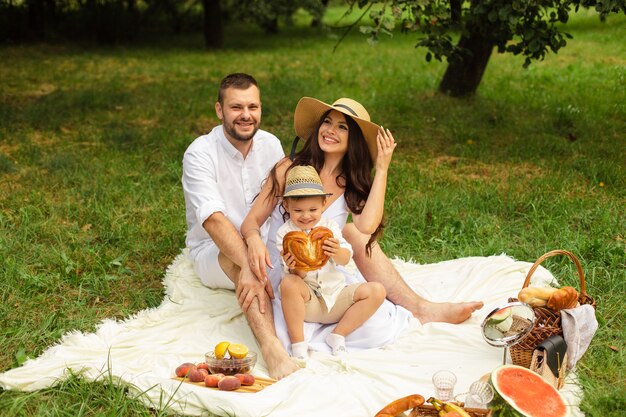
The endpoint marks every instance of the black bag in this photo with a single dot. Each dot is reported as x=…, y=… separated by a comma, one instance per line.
x=550, y=360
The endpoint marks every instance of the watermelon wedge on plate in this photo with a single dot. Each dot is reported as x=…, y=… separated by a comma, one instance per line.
x=521, y=392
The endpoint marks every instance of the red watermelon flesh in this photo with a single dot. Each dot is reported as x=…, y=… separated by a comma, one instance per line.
x=528, y=393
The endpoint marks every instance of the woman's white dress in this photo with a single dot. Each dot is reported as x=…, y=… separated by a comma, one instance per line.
x=382, y=328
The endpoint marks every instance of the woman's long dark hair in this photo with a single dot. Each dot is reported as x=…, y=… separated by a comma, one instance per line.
x=356, y=170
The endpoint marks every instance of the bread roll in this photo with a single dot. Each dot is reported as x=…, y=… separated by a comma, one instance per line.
x=535, y=296
x=307, y=250
x=563, y=298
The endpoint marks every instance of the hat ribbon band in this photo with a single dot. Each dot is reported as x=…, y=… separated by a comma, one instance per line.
x=347, y=108
x=301, y=186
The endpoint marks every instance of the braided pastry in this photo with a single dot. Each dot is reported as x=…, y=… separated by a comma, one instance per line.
x=307, y=250
x=563, y=298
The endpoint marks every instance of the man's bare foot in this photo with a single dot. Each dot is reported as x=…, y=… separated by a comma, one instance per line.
x=278, y=362
x=454, y=313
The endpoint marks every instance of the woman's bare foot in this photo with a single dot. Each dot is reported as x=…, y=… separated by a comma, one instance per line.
x=454, y=313
x=278, y=362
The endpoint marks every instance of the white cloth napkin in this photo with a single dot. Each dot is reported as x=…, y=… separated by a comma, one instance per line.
x=579, y=326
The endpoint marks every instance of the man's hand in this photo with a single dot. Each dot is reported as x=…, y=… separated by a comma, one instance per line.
x=258, y=257
x=249, y=287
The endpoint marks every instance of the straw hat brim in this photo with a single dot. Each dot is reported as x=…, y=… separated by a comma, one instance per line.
x=309, y=111
x=305, y=192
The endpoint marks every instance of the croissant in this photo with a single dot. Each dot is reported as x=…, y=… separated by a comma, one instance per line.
x=536, y=296
x=563, y=298
x=307, y=249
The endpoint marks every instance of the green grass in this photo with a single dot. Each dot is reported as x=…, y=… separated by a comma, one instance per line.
x=91, y=142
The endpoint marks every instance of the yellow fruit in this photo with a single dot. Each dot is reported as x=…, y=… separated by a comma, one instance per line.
x=220, y=349
x=237, y=351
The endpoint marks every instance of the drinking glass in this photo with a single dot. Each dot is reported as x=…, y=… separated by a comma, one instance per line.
x=444, y=382
x=479, y=395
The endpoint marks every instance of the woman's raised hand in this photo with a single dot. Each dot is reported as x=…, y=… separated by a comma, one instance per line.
x=385, y=145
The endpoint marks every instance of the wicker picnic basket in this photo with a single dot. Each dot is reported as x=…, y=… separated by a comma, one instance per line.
x=427, y=410
x=547, y=321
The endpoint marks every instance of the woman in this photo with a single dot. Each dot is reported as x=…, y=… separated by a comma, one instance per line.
x=344, y=145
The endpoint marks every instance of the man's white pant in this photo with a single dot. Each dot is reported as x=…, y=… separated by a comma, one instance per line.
x=208, y=268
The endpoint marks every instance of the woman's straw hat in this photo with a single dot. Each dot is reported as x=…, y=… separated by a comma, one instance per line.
x=309, y=110
x=303, y=181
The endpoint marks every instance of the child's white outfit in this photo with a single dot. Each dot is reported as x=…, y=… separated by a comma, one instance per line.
x=331, y=296
x=326, y=282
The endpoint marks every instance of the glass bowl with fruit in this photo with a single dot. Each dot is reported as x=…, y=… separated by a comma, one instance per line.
x=230, y=359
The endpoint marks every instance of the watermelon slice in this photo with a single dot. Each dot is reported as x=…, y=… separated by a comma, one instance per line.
x=500, y=316
x=522, y=392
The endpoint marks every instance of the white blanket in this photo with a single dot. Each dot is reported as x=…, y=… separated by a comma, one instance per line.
x=144, y=350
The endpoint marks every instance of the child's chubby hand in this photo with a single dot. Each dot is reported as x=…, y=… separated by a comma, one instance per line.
x=290, y=262
x=331, y=246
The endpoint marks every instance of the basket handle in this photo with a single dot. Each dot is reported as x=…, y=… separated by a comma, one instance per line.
x=581, y=274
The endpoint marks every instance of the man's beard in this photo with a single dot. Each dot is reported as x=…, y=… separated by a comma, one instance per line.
x=232, y=132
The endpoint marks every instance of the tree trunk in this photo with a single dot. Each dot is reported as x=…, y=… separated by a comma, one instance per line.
x=131, y=27
x=466, y=69
x=270, y=26
x=317, y=20
x=37, y=19
x=213, y=25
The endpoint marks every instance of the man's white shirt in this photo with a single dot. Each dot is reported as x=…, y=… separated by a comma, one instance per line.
x=216, y=177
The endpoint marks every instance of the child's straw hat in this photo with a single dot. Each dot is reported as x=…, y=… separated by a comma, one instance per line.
x=303, y=181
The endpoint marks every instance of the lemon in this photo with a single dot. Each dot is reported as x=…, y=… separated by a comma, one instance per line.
x=237, y=351
x=220, y=349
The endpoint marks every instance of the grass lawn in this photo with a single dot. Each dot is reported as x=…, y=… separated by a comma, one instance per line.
x=92, y=138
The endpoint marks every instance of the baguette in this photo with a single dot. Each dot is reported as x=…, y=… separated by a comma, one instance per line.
x=536, y=296
x=401, y=405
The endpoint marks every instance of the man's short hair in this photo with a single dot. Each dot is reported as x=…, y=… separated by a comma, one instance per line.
x=237, y=80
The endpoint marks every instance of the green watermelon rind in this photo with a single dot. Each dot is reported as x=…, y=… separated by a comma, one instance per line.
x=501, y=407
x=500, y=316
x=505, y=324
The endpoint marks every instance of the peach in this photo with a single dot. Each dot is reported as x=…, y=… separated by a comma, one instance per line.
x=213, y=379
x=184, y=369
x=229, y=383
x=245, y=379
x=197, y=375
x=203, y=365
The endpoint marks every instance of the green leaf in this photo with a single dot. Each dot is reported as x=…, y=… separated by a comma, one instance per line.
x=505, y=12
x=386, y=32
x=117, y=261
x=20, y=356
x=389, y=23
x=534, y=45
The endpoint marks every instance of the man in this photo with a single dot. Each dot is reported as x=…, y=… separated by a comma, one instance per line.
x=222, y=173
